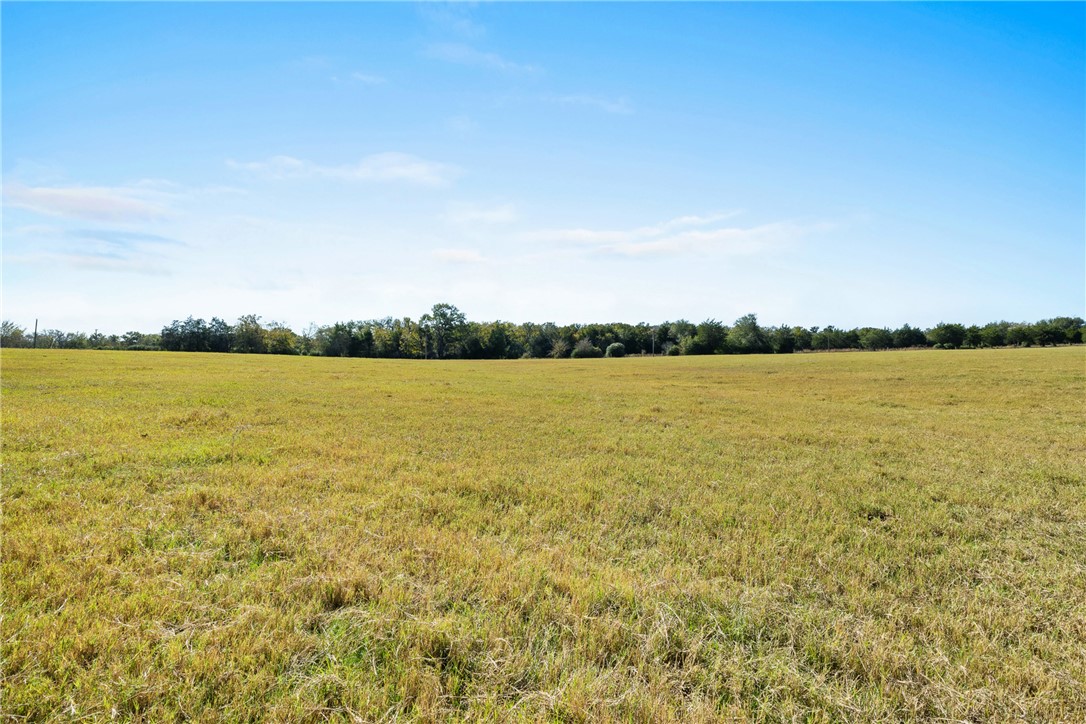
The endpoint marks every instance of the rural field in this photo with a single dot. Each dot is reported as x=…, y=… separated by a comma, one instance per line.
x=820, y=537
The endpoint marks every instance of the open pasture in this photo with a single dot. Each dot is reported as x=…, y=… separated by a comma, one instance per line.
x=867, y=536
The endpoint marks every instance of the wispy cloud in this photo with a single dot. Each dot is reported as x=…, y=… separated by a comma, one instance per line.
x=101, y=249
x=451, y=18
x=95, y=261
x=360, y=78
x=682, y=235
x=598, y=237
x=333, y=69
x=311, y=62
x=460, y=256
x=473, y=214
x=378, y=167
x=463, y=54
x=462, y=124
x=368, y=78
x=123, y=239
x=610, y=105
x=94, y=203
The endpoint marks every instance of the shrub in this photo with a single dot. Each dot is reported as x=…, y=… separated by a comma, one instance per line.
x=585, y=348
x=616, y=349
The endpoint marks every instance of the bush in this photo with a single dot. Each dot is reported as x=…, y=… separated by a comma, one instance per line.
x=585, y=348
x=672, y=350
x=616, y=350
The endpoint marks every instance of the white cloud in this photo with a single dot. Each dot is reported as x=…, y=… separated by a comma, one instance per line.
x=311, y=62
x=360, y=78
x=728, y=241
x=91, y=261
x=462, y=124
x=681, y=235
x=95, y=203
x=610, y=105
x=459, y=256
x=93, y=249
x=377, y=167
x=368, y=78
x=463, y=54
x=453, y=18
x=472, y=214
x=597, y=237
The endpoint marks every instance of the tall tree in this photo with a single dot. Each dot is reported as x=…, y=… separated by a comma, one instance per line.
x=746, y=336
x=249, y=335
x=444, y=328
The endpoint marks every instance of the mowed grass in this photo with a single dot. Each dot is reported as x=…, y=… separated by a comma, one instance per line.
x=866, y=536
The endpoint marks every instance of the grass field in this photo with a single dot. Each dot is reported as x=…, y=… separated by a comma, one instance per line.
x=867, y=536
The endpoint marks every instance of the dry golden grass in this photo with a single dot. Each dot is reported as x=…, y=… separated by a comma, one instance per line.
x=870, y=536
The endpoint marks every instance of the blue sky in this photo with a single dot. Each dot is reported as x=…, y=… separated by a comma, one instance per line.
x=847, y=164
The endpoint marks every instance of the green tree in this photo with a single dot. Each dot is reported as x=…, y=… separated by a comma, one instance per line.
x=1020, y=335
x=12, y=335
x=831, y=337
x=560, y=348
x=709, y=337
x=443, y=329
x=994, y=334
x=585, y=348
x=220, y=336
x=280, y=339
x=907, y=336
x=747, y=337
x=802, y=337
x=947, y=335
x=249, y=335
x=875, y=338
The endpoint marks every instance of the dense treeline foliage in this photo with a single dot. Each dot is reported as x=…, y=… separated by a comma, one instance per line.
x=445, y=333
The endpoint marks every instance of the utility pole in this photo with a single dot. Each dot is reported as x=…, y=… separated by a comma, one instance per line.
x=35, y=334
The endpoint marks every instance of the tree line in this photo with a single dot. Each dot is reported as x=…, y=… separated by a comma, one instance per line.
x=445, y=333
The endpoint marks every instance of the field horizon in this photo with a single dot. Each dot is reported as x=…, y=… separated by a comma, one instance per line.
x=890, y=536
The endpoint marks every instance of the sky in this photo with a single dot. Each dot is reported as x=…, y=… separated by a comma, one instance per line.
x=851, y=164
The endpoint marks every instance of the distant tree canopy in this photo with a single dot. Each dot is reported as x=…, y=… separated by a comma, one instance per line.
x=445, y=333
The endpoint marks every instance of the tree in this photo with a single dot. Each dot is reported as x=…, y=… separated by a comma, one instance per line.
x=907, y=336
x=220, y=335
x=249, y=335
x=1020, y=335
x=334, y=341
x=443, y=329
x=411, y=343
x=585, y=348
x=950, y=336
x=802, y=338
x=1049, y=333
x=994, y=334
x=1071, y=326
x=615, y=349
x=139, y=341
x=709, y=338
x=831, y=337
x=537, y=340
x=746, y=337
x=12, y=335
x=192, y=335
x=281, y=340
x=560, y=348
x=782, y=339
x=875, y=338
